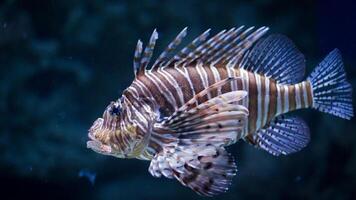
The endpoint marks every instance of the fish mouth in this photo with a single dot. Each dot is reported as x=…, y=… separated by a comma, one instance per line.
x=98, y=147
x=93, y=142
x=91, y=136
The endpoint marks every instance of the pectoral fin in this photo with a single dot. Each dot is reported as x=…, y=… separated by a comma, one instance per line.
x=206, y=169
x=218, y=121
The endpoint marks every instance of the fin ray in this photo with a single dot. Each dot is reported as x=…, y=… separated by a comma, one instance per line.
x=137, y=56
x=276, y=57
x=206, y=169
x=284, y=135
x=147, y=53
x=220, y=48
x=163, y=58
x=221, y=118
x=332, y=93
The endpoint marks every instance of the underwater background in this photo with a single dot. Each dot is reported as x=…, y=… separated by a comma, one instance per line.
x=63, y=61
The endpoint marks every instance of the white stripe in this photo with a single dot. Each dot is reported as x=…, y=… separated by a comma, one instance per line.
x=172, y=98
x=245, y=85
x=286, y=99
x=174, y=83
x=186, y=76
x=204, y=77
x=167, y=94
x=279, y=100
x=297, y=97
x=136, y=114
x=266, y=101
x=189, y=79
x=133, y=91
x=216, y=76
x=244, y=81
x=143, y=88
x=149, y=152
x=157, y=141
x=305, y=96
x=230, y=73
x=259, y=102
x=174, y=102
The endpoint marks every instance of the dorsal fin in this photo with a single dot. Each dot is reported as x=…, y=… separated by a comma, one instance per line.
x=163, y=58
x=189, y=48
x=243, y=43
x=147, y=54
x=203, y=48
x=276, y=57
x=221, y=48
x=224, y=46
x=137, y=56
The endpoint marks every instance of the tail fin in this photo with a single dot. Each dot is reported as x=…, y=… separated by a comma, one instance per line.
x=331, y=92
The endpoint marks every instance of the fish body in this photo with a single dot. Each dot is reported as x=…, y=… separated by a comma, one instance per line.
x=187, y=107
x=266, y=98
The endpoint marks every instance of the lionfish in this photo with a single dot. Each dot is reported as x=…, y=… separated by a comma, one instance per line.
x=183, y=111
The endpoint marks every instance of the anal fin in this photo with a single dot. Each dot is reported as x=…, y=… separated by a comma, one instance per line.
x=284, y=135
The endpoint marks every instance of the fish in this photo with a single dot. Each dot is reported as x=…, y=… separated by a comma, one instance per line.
x=182, y=110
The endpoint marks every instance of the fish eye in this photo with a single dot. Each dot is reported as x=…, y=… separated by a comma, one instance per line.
x=115, y=109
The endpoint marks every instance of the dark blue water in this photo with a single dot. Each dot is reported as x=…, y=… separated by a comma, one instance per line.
x=62, y=61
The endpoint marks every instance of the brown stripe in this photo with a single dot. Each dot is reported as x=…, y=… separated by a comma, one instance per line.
x=197, y=82
x=223, y=75
x=129, y=95
x=155, y=146
x=238, y=81
x=252, y=104
x=263, y=98
x=309, y=93
x=141, y=91
x=182, y=83
x=140, y=132
x=162, y=139
x=114, y=139
x=211, y=80
x=157, y=95
x=272, y=100
x=301, y=94
x=120, y=140
x=133, y=101
x=239, y=87
x=291, y=97
x=251, y=140
x=170, y=87
x=282, y=90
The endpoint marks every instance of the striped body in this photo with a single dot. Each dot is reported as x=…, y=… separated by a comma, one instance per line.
x=171, y=87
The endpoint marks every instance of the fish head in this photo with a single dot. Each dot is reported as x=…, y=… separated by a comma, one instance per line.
x=112, y=135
